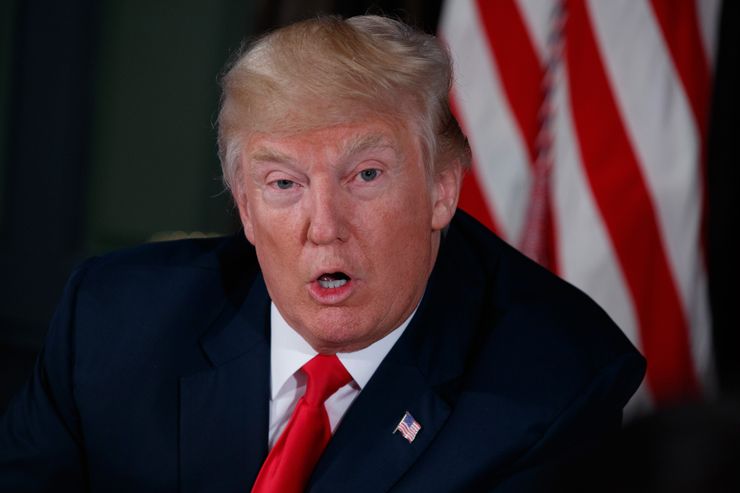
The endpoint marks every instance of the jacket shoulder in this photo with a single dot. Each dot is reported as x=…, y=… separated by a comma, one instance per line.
x=553, y=333
x=217, y=255
x=187, y=252
x=154, y=292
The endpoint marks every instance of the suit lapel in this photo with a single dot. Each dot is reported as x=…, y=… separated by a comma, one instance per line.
x=420, y=375
x=224, y=409
x=365, y=454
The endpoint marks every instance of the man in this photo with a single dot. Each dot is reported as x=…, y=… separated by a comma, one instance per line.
x=460, y=365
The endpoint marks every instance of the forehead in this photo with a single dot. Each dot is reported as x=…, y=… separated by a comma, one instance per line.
x=333, y=141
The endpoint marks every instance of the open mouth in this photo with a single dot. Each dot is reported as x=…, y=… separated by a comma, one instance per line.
x=333, y=280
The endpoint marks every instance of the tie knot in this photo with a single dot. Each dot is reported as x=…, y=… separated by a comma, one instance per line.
x=326, y=374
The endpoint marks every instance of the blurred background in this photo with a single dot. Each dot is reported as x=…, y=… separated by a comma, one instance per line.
x=107, y=140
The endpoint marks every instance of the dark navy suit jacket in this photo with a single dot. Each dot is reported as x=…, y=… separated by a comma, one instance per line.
x=155, y=377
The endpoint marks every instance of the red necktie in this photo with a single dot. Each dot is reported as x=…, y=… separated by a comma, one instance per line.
x=291, y=461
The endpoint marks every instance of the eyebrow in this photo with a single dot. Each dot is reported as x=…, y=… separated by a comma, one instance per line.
x=365, y=142
x=267, y=155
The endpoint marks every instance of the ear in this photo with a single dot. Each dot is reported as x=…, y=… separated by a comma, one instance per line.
x=445, y=195
x=242, y=203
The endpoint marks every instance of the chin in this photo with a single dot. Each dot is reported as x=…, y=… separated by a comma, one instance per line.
x=338, y=335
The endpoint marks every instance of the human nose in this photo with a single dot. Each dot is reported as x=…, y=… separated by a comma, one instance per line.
x=327, y=216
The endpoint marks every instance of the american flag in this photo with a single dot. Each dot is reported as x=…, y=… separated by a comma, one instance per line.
x=408, y=427
x=588, y=124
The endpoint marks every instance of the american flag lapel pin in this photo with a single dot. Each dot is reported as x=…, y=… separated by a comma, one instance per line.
x=408, y=427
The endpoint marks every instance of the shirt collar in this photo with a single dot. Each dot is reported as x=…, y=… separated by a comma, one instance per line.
x=289, y=352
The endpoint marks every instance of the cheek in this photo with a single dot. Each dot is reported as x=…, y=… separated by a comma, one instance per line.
x=402, y=235
x=280, y=268
x=417, y=209
x=411, y=197
x=273, y=238
x=276, y=241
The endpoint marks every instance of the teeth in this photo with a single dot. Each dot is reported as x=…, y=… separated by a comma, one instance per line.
x=332, y=283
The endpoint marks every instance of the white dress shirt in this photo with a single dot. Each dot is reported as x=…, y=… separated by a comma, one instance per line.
x=289, y=352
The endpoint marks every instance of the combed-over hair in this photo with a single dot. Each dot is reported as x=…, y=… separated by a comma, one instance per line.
x=328, y=70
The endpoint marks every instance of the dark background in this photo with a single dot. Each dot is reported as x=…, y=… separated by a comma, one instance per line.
x=107, y=140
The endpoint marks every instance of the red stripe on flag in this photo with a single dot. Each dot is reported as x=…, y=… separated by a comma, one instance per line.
x=679, y=23
x=629, y=215
x=519, y=66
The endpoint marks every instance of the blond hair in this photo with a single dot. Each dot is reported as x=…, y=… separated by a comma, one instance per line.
x=329, y=70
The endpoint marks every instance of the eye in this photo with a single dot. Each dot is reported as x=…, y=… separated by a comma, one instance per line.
x=369, y=174
x=284, y=184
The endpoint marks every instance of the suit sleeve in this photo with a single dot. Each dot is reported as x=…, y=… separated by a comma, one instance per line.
x=589, y=423
x=41, y=442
